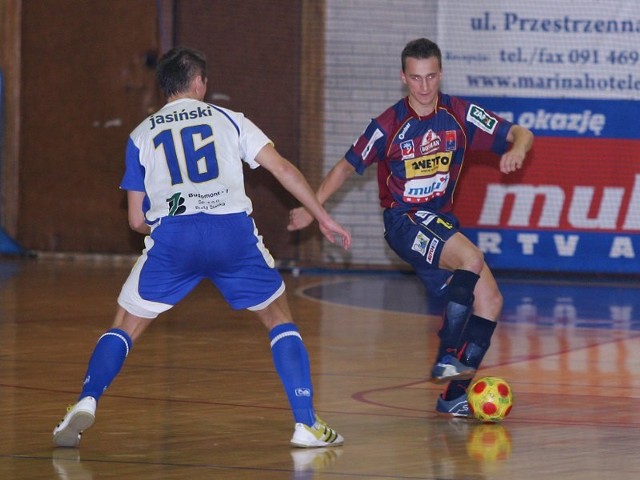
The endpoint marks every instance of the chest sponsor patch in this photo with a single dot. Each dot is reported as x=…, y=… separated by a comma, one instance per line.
x=430, y=142
x=428, y=165
x=422, y=190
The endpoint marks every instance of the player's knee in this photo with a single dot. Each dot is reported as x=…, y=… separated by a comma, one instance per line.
x=461, y=255
x=273, y=315
x=474, y=261
x=462, y=286
x=471, y=259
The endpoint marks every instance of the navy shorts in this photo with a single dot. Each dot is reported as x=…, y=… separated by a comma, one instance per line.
x=182, y=251
x=418, y=238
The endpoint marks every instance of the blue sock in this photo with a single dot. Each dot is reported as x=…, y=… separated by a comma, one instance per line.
x=105, y=362
x=292, y=364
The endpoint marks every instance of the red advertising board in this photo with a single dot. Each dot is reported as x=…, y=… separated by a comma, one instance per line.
x=574, y=207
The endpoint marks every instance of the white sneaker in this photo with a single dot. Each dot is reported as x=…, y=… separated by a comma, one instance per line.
x=319, y=435
x=79, y=417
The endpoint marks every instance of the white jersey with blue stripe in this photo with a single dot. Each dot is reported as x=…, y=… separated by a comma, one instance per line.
x=187, y=158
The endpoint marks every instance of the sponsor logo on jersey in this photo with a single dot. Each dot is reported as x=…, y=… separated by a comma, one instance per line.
x=422, y=190
x=432, y=250
x=444, y=223
x=408, y=151
x=430, y=142
x=481, y=118
x=420, y=243
x=450, y=141
x=404, y=131
x=428, y=165
x=176, y=204
x=210, y=200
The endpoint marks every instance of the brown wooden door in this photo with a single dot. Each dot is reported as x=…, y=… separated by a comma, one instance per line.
x=87, y=81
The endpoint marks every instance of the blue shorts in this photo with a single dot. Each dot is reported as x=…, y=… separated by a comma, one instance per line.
x=418, y=238
x=182, y=251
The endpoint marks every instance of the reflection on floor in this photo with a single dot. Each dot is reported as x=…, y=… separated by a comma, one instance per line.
x=606, y=305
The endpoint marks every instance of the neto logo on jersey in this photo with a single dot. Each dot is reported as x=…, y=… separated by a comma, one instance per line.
x=428, y=165
x=481, y=119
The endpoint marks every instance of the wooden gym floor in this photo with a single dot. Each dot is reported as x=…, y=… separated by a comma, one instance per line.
x=198, y=397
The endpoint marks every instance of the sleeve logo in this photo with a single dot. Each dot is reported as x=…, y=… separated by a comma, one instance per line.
x=374, y=138
x=481, y=119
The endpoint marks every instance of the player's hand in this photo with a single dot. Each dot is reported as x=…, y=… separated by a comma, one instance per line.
x=332, y=230
x=522, y=141
x=512, y=161
x=299, y=218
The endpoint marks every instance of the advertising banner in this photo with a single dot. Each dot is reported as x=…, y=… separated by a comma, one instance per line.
x=569, y=71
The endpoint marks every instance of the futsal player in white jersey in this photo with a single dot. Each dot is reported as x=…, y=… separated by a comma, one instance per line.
x=185, y=189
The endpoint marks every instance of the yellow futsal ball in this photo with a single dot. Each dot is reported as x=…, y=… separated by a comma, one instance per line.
x=490, y=399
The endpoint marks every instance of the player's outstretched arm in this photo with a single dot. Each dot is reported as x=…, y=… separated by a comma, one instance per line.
x=292, y=179
x=300, y=218
x=522, y=140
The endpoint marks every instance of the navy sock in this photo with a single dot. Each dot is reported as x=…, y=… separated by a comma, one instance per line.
x=291, y=360
x=475, y=342
x=105, y=362
x=456, y=311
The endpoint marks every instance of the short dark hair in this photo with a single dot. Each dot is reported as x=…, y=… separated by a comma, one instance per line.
x=421, y=48
x=178, y=67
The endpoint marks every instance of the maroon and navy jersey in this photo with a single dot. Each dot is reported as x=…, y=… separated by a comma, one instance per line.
x=420, y=158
